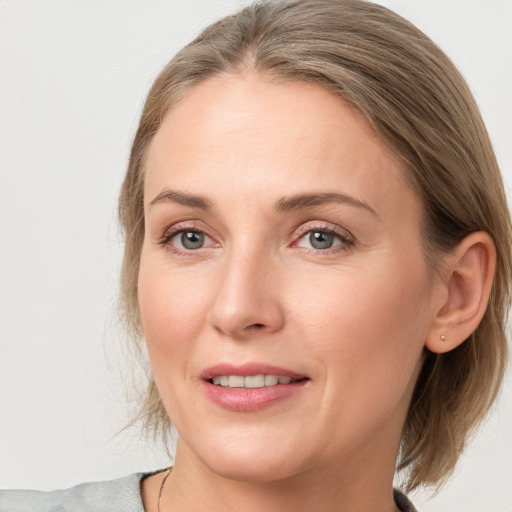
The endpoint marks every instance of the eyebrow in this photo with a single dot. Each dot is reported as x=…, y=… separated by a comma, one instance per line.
x=306, y=200
x=284, y=204
x=183, y=198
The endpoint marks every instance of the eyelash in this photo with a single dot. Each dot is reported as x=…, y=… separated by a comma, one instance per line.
x=170, y=233
x=346, y=239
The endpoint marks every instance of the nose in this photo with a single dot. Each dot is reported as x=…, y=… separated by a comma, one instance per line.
x=246, y=300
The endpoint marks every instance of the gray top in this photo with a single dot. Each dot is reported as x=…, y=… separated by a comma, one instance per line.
x=121, y=495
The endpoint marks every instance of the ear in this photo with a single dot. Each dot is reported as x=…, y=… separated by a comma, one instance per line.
x=466, y=286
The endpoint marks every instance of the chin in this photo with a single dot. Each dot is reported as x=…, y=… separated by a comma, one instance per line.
x=252, y=461
x=251, y=470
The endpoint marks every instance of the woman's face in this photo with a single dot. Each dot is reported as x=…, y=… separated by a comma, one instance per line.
x=282, y=242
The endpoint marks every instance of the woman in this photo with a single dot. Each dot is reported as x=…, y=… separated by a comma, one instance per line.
x=317, y=254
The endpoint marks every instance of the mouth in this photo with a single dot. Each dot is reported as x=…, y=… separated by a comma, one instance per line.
x=250, y=387
x=252, y=381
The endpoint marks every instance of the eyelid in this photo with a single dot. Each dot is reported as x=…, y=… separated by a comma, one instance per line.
x=346, y=238
x=184, y=226
x=323, y=226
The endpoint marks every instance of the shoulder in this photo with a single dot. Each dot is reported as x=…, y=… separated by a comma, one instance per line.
x=121, y=495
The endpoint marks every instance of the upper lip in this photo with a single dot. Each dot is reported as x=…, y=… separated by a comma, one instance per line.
x=246, y=369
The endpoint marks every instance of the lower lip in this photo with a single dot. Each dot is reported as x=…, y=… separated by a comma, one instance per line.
x=250, y=399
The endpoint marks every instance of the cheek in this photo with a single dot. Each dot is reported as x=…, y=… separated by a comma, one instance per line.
x=368, y=337
x=368, y=326
x=172, y=306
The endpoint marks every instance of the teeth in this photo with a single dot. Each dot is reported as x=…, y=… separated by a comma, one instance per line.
x=251, y=381
x=236, y=381
x=271, y=380
x=255, y=381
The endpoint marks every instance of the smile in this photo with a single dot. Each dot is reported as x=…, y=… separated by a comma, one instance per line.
x=251, y=381
x=251, y=386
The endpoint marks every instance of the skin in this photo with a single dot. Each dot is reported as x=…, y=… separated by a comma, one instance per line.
x=353, y=318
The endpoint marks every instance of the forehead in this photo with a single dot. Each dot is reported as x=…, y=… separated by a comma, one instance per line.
x=249, y=130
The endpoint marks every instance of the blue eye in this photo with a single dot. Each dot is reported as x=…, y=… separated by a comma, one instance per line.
x=189, y=240
x=323, y=239
x=186, y=239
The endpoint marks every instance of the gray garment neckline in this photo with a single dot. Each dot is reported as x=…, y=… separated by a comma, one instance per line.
x=120, y=495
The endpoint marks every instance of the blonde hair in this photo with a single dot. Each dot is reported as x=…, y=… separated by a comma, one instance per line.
x=419, y=103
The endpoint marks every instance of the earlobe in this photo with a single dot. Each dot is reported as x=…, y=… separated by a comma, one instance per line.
x=466, y=291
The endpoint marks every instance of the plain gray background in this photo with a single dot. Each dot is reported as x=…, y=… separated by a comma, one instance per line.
x=73, y=75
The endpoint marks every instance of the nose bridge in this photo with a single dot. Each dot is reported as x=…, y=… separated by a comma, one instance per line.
x=246, y=299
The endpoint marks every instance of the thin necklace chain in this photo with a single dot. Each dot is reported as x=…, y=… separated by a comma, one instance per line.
x=162, y=489
x=165, y=480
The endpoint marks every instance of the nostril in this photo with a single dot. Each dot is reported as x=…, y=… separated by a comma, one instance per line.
x=258, y=326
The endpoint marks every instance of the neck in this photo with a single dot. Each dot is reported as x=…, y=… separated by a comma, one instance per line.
x=362, y=485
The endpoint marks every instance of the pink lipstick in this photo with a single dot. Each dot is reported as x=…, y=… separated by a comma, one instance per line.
x=251, y=386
